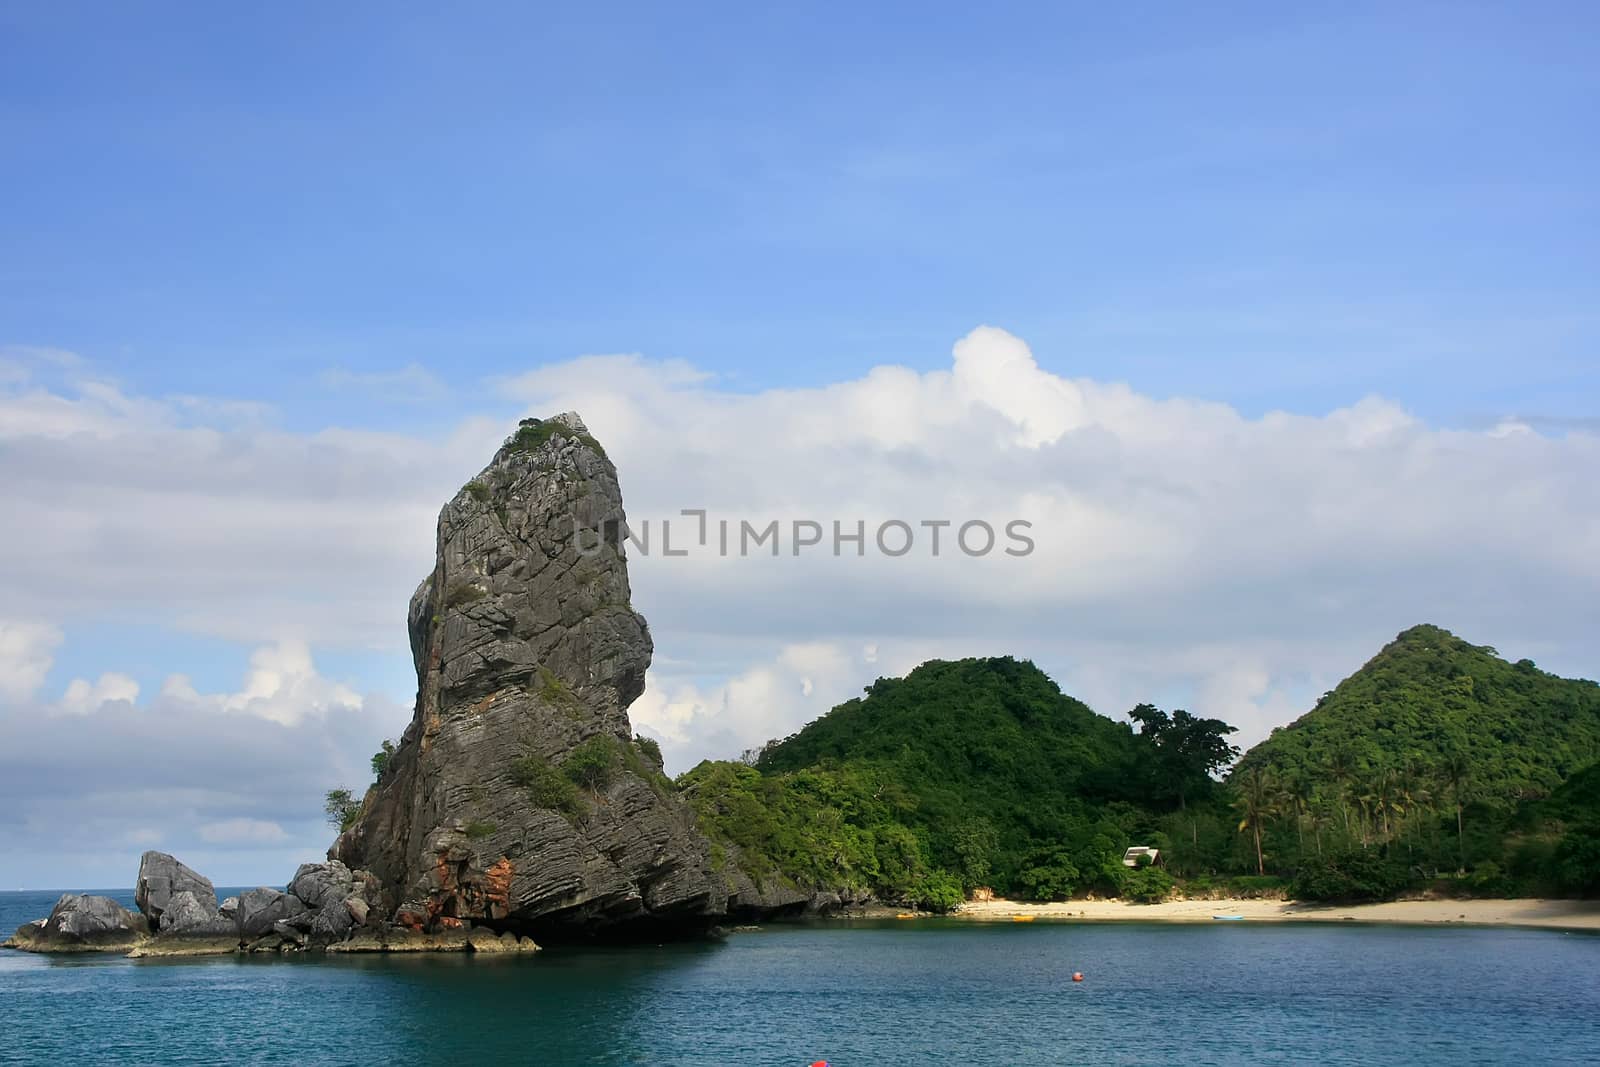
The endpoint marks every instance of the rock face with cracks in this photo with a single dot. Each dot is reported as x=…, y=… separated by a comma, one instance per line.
x=517, y=797
x=162, y=879
x=517, y=801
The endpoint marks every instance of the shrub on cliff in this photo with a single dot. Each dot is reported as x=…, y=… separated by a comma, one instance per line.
x=592, y=763
x=650, y=747
x=341, y=808
x=546, y=786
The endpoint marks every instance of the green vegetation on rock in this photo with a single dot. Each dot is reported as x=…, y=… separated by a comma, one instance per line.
x=593, y=763
x=341, y=808
x=532, y=433
x=546, y=786
x=463, y=591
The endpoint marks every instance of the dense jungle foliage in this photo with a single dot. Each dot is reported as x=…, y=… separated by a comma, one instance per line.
x=1438, y=766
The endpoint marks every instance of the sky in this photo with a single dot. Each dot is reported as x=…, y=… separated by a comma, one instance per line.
x=1276, y=323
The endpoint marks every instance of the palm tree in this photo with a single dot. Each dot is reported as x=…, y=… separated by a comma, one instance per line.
x=1457, y=774
x=1366, y=799
x=1341, y=768
x=1256, y=804
x=1319, y=809
x=1293, y=796
x=1414, y=795
x=1386, y=791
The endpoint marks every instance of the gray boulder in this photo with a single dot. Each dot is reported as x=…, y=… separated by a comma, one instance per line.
x=83, y=924
x=290, y=933
x=229, y=908
x=320, y=884
x=161, y=877
x=333, y=922
x=260, y=909
x=188, y=916
x=528, y=649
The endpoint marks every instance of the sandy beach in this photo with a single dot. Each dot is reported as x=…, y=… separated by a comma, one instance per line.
x=1559, y=914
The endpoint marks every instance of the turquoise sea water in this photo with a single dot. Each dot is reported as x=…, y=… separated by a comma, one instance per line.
x=855, y=994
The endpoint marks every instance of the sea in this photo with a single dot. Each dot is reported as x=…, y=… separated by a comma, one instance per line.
x=851, y=993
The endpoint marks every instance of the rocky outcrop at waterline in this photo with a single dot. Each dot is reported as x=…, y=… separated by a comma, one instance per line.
x=81, y=923
x=518, y=801
x=518, y=797
x=326, y=906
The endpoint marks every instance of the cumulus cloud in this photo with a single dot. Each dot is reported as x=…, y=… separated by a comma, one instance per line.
x=27, y=649
x=230, y=781
x=282, y=685
x=1184, y=553
x=125, y=509
x=82, y=696
x=763, y=701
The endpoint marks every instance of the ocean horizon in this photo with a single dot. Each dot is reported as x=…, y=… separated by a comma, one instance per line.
x=853, y=993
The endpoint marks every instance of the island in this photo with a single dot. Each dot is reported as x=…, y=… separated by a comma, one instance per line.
x=520, y=807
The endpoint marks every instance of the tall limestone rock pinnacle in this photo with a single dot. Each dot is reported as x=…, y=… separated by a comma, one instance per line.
x=517, y=798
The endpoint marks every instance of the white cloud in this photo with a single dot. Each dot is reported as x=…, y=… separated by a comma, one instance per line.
x=182, y=514
x=27, y=650
x=763, y=701
x=1185, y=553
x=83, y=697
x=1200, y=557
x=230, y=781
x=283, y=685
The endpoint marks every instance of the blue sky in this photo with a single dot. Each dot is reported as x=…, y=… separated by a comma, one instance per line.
x=1275, y=207
x=301, y=266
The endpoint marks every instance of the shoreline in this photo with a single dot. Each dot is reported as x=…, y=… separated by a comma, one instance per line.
x=1530, y=912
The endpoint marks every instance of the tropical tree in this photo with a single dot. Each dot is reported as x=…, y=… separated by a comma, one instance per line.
x=381, y=758
x=1186, y=748
x=341, y=808
x=1342, y=770
x=1294, y=797
x=1365, y=796
x=1456, y=771
x=1320, y=811
x=1386, y=799
x=1256, y=803
x=1414, y=796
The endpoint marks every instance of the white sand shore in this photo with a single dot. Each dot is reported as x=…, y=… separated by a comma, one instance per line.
x=1560, y=914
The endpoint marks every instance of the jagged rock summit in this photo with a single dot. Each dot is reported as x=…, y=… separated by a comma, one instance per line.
x=518, y=798
x=518, y=801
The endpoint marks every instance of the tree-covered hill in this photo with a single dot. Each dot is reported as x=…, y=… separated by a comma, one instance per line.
x=973, y=729
x=965, y=773
x=1437, y=764
x=1431, y=703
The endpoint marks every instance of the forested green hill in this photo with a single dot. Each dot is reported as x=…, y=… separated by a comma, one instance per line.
x=997, y=733
x=1431, y=703
x=965, y=773
x=1437, y=764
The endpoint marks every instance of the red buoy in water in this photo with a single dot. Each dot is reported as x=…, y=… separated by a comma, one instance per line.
x=1077, y=976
